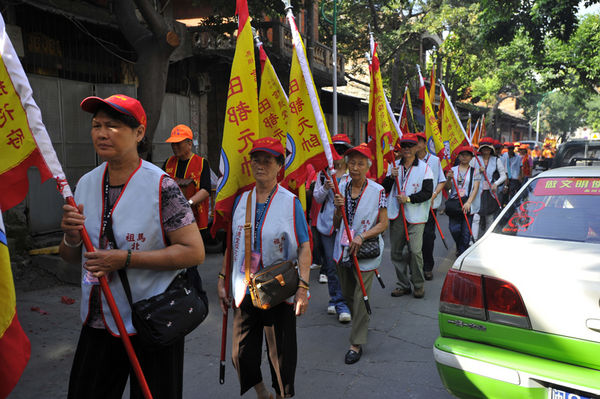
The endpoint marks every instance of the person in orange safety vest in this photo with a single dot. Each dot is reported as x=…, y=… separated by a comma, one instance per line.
x=191, y=172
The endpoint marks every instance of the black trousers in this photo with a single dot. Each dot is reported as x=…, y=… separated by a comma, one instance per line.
x=101, y=368
x=428, y=243
x=279, y=325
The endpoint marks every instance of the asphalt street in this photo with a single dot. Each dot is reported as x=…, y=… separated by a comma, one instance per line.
x=397, y=362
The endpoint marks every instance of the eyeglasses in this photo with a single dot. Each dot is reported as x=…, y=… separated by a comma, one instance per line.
x=407, y=145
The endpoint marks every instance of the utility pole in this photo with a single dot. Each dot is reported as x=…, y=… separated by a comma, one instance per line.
x=334, y=62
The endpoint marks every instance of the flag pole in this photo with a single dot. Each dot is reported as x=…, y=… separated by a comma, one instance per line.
x=226, y=314
x=469, y=141
x=297, y=42
x=438, y=227
x=135, y=364
x=402, y=207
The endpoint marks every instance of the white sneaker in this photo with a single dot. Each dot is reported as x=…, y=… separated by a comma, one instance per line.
x=344, y=317
x=314, y=266
x=323, y=279
x=331, y=309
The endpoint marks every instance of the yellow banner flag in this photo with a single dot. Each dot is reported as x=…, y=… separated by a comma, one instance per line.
x=379, y=126
x=435, y=143
x=453, y=134
x=241, y=121
x=305, y=120
x=272, y=102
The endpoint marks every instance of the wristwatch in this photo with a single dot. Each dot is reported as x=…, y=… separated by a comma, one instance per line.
x=190, y=202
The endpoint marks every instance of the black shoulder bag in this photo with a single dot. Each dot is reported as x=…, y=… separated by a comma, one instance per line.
x=164, y=318
x=452, y=207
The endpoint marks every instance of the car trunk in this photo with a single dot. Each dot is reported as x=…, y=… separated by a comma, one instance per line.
x=559, y=282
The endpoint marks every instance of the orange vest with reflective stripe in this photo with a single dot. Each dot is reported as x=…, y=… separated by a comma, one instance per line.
x=193, y=171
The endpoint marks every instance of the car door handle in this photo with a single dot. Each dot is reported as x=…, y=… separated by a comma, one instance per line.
x=593, y=324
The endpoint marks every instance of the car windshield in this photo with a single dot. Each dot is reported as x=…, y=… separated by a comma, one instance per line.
x=560, y=208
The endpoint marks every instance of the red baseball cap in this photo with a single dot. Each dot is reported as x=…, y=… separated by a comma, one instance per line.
x=421, y=135
x=119, y=102
x=340, y=139
x=180, y=133
x=362, y=149
x=409, y=138
x=497, y=143
x=508, y=144
x=487, y=142
x=464, y=148
x=268, y=144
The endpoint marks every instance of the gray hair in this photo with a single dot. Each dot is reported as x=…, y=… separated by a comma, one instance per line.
x=369, y=162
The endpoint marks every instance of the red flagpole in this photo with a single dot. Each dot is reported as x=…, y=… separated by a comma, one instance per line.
x=488, y=181
x=402, y=209
x=461, y=206
x=438, y=227
x=135, y=364
x=226, y=314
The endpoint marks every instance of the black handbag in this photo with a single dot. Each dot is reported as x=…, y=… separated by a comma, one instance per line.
x=452, y=207
x=488, y=203
x=369, y=249
x=164, y=318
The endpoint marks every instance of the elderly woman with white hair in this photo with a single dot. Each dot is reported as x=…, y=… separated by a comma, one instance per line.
x=365, y=204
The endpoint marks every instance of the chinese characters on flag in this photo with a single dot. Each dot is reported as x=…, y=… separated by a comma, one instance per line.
x=379, y=126
x=453, y=134
x=272, y=102
x=305, y=120
x=241, y=126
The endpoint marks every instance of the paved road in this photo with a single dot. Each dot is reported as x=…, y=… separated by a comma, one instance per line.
x=397, y=362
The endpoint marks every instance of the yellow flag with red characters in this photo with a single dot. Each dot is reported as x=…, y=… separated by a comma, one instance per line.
x=272, y=102
x=379, y=126
x=241, y=126
x=306, y=124
x=453, y=133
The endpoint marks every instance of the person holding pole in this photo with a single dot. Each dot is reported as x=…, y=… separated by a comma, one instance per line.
x=463, y=184
x=408, y=210
x=364, y=202
x=439, y=180
x=140, y=222
x=512, y=164
x=279, y=232
x=323, y=193
x=493, y=172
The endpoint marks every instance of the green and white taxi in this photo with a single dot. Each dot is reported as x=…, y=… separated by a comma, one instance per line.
x=519, y=311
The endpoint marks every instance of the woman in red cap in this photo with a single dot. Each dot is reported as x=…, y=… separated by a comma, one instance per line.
x=278, y=233
x=365, y=204
x=143, y=226
x=467, y=180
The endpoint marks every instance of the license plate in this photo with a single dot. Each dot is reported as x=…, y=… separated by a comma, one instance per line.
x=559, y=394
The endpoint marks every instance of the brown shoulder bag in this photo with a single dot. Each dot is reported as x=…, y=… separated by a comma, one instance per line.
x=273, y=284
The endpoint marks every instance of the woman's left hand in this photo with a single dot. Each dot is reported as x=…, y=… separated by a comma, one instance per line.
x=102, y=261
x=301, y=301
x=357, y=241
x=466, y=207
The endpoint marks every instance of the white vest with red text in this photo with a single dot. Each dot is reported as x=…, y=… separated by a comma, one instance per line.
x=136, y=223
x=278, y=238
x=325, y=218
x=412, y=184
x=436, y=167
x=366, y=216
